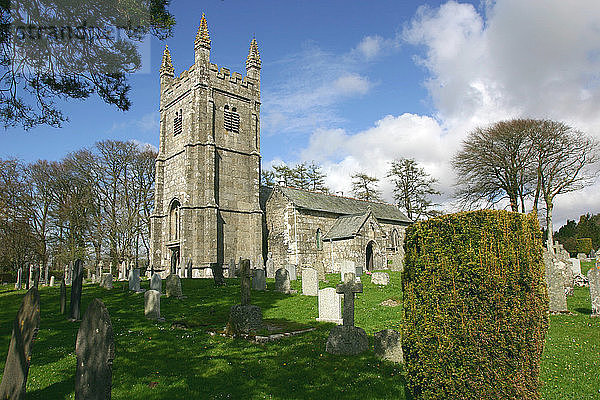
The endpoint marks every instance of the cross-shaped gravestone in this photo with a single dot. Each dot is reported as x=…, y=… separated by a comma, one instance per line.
x=348, y=288
x=246, y=284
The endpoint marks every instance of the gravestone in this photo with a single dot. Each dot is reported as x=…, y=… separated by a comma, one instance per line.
x=189, y=268
x=52, y=281
x=95, y=349
x=30, y=277
x=346, y=267
x=310, y=282
x=259, y=281
x=36, y=276
x=291, y=269
x=134, y=280
x=581, y=256
x=217, y=273
x=380, y=278
x=575, y=266
x=19, y=283
x=63, y=297
x=347, y=339
x=24, y=332
x=156, y=283
x=76, y=287
x=244, y=317
x=388, y=345
x=173, y=286
x=231, y=268
x=554, y=280
x=270, y=266
x=99, y=270
x=594, y=280
x=282, y=281
x=152, y=304
x=106, y=281
x=69, y=279
x=330, y=306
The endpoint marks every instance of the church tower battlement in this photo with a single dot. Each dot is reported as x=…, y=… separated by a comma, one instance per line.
x=208, y=166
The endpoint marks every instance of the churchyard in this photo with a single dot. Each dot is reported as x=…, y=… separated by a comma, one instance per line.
x=178, y=359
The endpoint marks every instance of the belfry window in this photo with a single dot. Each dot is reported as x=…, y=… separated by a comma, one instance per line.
x=177, y=122
x=231, y=119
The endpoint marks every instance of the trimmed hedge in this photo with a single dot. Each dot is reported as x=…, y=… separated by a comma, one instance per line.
x=475, y=306
x=584, y=245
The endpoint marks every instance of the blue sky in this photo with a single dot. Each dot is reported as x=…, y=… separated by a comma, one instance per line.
x=354, y=84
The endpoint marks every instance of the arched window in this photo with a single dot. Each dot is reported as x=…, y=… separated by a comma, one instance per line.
x=174, y=219
x=319, y=240
x=395, y=238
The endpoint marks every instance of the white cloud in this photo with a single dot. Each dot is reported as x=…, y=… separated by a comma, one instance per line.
x=370, y=46
x=146, y=123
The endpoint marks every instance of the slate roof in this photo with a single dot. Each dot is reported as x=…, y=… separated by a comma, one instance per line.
x=347, y=226
x=342, y=205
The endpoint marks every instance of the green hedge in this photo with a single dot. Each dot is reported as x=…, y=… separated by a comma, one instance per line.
x=584, y=245
x=475, y=306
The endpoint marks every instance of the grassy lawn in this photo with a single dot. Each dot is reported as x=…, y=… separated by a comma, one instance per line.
x=155, y=361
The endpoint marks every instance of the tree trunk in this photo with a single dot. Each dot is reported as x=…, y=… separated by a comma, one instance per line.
x=549, y=227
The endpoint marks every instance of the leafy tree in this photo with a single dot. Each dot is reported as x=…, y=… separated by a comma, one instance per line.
x=302, y=176
x=51, y=50
x=364, y=187
x=413, y=188
x=316, y=178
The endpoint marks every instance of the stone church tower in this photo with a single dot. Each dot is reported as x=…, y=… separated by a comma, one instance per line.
x=206, y=206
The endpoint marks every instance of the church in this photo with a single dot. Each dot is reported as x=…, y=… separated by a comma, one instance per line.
x=209, y=206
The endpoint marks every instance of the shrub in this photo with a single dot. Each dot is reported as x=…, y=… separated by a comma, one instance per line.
x=475, y=306
x=584, y=245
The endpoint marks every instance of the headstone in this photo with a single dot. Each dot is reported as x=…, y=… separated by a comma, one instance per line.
x=76, y=287
x=388, y=345
x=581, y=256
x=152, y=304
x=270, y=266
x=134, y=279
x=25, y=328
x=173, y=286
x=291, y=269
x=259, y=281
x=594, y=280
x=282, y=280
x=19, y=283
x=231, y=268
x=99, y=270
x=575, y=266
x=52, y=281
x=346, y=267
x=380, y=278
x=310, y=282
x=556, y=288
x=63, y=297
x=217, y=273
x=156, y=283
x=95, y=351
x=347, y=339
x=70, y=271
x=106, y=281
x=245, y=281
x=330, y=306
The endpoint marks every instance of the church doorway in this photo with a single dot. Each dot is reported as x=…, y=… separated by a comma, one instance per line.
x=369, y=256
x=174, y=259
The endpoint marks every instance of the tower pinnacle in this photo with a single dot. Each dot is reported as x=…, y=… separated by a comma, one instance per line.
x=202, y=37
x=166, y=68
x=253, y=59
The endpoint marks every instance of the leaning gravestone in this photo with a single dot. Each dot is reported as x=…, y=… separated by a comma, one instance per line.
x=310, y=282
x=152, y=304
x=282, y=281
x=63, y=297
x=244, y=317
x=25, y=328
x=106, y=281
x=330, y=306
x=134, y=279
x=388, y=345
x=156, y=283
x=270, y=266
x=76, y=287
x=259, y=281
x=95, y=351
x=347, y=339
x=594, y=279
x=173, y=286
x=380, y=278
x=347, y=267
x=217, y=273
x=291, y=269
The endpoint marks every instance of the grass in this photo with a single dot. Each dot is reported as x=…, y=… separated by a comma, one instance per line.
x=155, y=361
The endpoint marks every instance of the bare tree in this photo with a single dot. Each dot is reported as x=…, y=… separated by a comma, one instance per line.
x=413, y=188
x=364, y=187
